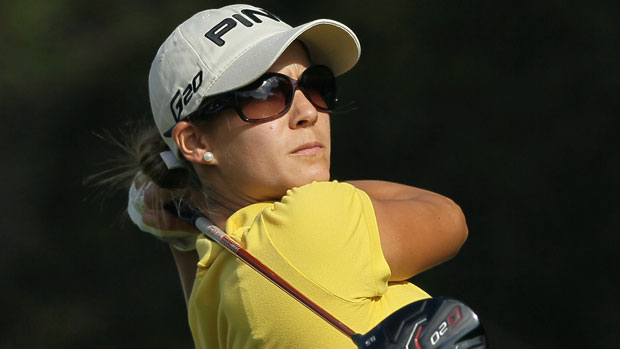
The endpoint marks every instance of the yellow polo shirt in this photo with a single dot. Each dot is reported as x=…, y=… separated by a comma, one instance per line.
x=323, y=239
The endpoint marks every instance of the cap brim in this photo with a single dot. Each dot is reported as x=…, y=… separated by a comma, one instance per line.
x=329, y=43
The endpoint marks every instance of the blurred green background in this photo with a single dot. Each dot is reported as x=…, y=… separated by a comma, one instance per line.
x=510, y=108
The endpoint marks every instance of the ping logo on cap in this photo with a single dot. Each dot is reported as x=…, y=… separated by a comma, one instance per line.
x=177, y=103
x=215, y=34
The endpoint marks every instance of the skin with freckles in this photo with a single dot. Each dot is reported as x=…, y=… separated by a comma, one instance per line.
x=257, y=162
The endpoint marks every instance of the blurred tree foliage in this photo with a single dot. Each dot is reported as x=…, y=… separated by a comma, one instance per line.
x=508, y=107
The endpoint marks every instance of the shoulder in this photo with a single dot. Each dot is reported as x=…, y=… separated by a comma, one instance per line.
x=327, y=230
x=328, y=201
x=320, y=188
x=321, y=193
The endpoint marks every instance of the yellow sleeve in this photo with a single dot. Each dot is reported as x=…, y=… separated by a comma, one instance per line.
x=328, y=232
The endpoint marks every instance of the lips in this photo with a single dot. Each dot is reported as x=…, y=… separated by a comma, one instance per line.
x=309, y=148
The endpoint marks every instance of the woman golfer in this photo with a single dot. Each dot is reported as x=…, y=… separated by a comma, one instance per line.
x=241, y=105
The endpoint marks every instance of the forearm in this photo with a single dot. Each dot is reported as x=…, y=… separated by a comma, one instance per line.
x=186, y=266
x=419, y=229
x=383, y=190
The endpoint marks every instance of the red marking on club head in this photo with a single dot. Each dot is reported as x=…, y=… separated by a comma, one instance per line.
x=454, y=317
x=416, y=340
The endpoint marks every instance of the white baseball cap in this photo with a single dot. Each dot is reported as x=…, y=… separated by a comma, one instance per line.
x=220, y=50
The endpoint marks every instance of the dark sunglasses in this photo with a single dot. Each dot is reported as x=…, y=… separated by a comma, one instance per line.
x=271, y=96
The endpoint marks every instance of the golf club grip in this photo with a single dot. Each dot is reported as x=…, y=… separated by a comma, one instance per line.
x=195, y=218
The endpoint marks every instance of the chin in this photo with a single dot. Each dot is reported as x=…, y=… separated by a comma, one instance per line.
x=319, y=176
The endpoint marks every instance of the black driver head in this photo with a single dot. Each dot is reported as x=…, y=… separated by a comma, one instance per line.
x=438, y=323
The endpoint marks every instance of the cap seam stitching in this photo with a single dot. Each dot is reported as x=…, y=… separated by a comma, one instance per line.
x=234, y=59
x=194, y=50
x=199, y=58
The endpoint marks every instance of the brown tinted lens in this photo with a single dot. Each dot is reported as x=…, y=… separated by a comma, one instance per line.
x=317, y=99
x=319, y=85
x=265, y=98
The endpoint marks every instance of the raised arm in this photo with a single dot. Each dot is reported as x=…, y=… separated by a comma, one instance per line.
x=418, y=228
x=186, y=266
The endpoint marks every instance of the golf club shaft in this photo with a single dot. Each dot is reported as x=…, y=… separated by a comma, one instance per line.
x=220, y=237
x=447, y=323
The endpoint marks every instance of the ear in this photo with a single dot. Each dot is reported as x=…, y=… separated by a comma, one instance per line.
x=191, y=141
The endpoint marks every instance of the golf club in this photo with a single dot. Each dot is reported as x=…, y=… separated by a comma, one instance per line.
x=439, y=322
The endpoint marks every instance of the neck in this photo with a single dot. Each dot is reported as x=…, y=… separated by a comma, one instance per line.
x=219, y=210
x=219, y=206
x=222, y=197
x=217, y=202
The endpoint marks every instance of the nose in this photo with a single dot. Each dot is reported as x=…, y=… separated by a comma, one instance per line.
x=302, y=112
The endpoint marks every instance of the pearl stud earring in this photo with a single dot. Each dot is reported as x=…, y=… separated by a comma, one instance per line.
x=208, y=157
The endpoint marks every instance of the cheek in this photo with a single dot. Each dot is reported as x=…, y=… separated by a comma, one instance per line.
x=326, y=131
x=257, y=159
x=256, y=150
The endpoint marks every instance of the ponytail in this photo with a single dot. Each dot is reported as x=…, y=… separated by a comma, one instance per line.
x=147, y=150
x=140, y=147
